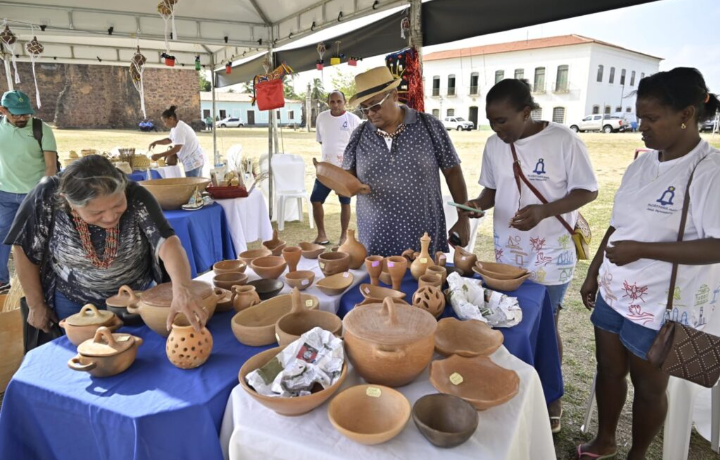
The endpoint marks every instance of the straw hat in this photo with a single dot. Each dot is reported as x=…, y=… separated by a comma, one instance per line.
x=373, y=82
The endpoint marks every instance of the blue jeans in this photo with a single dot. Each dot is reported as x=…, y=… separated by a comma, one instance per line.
x=557, y=294
x=9, y=205
x=636, y=338
x=65, y=307
x=320, y=194
x=194, y=172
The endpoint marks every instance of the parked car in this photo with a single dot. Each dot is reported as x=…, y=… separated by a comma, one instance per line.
x=231, y=122
x=606, y=124
x=458, y=123
x=708, y=125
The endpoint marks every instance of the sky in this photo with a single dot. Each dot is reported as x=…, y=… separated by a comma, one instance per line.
x=683, y=32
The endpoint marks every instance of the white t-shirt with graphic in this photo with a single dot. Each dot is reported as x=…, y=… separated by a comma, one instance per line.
x=556, y=162
x=648, y=207
x=334, y=134
x=191, y=154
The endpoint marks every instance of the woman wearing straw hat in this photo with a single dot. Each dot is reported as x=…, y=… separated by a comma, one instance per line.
x=399, y=153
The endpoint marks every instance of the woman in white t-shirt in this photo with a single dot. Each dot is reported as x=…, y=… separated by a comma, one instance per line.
x=185, y=144
x=555, y=161
x=628, y=281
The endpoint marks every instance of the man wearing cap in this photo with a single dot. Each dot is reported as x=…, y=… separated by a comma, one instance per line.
x=400, y=153
x=23, y=163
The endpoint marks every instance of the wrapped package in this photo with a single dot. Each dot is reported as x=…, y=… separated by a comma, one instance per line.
x=471, y=301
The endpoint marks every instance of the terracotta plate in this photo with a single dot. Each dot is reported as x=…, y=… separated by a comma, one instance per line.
x=466, y=338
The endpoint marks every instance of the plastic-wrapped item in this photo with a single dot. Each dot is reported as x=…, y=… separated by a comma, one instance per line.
x=471, y=301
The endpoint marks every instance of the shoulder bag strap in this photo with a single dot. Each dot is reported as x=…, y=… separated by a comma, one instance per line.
x=517, y=171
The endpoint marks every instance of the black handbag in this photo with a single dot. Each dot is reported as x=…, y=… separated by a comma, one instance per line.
x=32, y=337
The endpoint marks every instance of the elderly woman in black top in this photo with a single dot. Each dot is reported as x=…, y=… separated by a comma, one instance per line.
x=78, y=238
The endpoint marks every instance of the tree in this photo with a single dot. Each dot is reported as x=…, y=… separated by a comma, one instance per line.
x=204, y=83
x=345, y=82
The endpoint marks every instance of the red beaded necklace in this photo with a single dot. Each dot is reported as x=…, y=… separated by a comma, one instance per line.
x=111, y=242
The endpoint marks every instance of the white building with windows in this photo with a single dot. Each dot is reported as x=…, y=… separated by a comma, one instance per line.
x=239, y=105
x=571, y=76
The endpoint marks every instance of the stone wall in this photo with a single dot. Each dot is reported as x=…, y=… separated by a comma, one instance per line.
x=102, y=97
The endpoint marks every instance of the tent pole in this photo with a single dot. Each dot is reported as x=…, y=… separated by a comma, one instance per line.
x=8, y=74
x=416, y=37
x=216, y=154
x=271, y=115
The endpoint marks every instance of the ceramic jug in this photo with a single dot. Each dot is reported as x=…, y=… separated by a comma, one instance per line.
x=355, y=249
x=244, y=297
x=187, y=348
x=423, y=260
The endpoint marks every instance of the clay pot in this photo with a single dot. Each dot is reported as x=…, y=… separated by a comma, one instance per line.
x=244, y=297
x=354, y=249
x=225, y=300
x=374, y=266
x=154, y=304
x=379, y=292
x=397, y=266
x=389, y=344
x=464, y=261
x=300, y=320
x=106, y=354
x=267, y=289
x=335, y=284
x=337, y=179
x=504, y=285
x=466, y=338
x=499, y=271
x=423, y=260
x=430, y=299
x=440, y=258
x=229, y=266
x=369, y=414
x=311, y=250
x=285, y=406
x=438, y=270
x=334, y=262
x=255, y=326
x=430, y=280
x=269, y=267
x=445, y=420
x=187, y=348
x=301, y=279
x=249, y=256
x=292, y=256
x=409, y=255
x=118, y=304
x=82, y=326
x=228, y=280
x=275, y=245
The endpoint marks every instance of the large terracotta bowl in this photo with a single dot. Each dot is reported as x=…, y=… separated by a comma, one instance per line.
x=335, y=284
x=301, y=279
x=466, y=338
x=445, y=420
x=255, y=326
x=269, y=267
x=334, y=262
x=229, y=266
x=175, y=192
x=285, y=406
x=499, y=271
x=249, y=256
x=228, y=280
x=504, y=285
x=340, y=181
x=369, y=414
x=300, y=320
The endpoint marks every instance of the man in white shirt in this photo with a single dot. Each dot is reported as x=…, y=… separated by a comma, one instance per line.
x=333, y=130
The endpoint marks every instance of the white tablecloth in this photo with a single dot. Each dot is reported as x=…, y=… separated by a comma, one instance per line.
x=516, y=430
x=170, y=172
x=248, y=219
x=327, y=303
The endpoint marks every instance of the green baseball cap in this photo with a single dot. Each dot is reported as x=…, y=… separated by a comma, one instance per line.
x=17, y=102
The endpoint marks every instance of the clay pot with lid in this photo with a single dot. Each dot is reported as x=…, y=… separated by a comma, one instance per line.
x=118, y=304
x=292, y=256
x=423, y=260
x=354, y=249
x=464, y=261
x=275, y=245
x=300, y=320
x=82, y=325
x=154, y=304
x=187, y=348
x=106, y=354
x=334, y=262
x=389, y=344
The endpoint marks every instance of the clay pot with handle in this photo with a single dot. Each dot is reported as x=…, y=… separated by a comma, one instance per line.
x=187, y=348
x=355, y=249
x=82, y=325
x=106, y=354
x=244, y=297
x=118, y=304
x=464, y=261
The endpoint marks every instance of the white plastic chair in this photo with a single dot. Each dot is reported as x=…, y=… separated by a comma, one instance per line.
x=234, y=155
x=451, y=217
x=291, y=210
x=289, y=181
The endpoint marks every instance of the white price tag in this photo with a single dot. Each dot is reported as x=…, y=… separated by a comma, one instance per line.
x=305, y=282
x=346, y=275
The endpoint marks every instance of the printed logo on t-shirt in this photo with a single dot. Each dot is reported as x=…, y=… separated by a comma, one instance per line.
x=666, y=200
x=667, y=196
x=635, y=293
x=344, y=126
x=539, y=173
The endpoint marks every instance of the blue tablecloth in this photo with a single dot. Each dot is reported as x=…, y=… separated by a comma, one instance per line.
x=151, y=411
x=204, y=234
x=139, y=175
x=533, y=340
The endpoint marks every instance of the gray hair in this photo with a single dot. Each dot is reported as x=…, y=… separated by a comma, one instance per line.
x=88, y=178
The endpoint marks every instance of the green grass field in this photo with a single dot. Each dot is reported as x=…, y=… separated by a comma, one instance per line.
x=610, y=154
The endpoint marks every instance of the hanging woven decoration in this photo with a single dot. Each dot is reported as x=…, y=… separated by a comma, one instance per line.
x=406, y=66
x=137, y=66
x=337, y=57
x=8, y=40
x=321, y=53
x=166, y=8
x=34, y=48
x=404, y=27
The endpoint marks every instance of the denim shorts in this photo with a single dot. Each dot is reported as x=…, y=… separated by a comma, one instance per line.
x=320, y=194
x=557, y=294
x=638, y=339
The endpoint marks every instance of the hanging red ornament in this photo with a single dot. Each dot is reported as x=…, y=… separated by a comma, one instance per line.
x=228, y=68
x=352, y=61
x=319, y=64
x=169, y=60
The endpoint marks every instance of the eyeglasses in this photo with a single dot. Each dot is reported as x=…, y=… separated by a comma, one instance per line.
x=374, y=107
x=24, y=116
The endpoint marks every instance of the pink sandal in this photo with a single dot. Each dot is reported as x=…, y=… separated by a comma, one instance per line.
x=593, y=456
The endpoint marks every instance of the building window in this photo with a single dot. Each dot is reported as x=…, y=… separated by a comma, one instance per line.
x=291, y=114
x=499, y=75
x=632, y=78
x=450, y=112
x=596, y=109
x=536, y=114
x=607, y=110
x=436, y=86
x=628, y=109
x=474, y=80
x=558, y=115
x=600, y=73
x=612, y=75
x=277, y=114
x=622, y=77
x=451, y=85
x=539, y=84
x=561, y=84
x=618, y=109
x=206, y=113
x=519, y=74
x=436, y=113
x=642, y=75
x=223, y=114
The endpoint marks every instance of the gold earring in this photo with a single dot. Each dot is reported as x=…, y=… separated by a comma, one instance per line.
x=682, y=126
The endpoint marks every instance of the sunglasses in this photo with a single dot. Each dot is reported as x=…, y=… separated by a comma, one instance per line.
x=374, y=107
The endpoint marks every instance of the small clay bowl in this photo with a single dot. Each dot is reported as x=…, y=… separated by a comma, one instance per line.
x=332, y=263
x=229, y=266
x=335, y=284
x=466, y=338
x=437, y=270
x=228, y=280
x=301, y=279
x=249, y=256
x=267, y=289
x=430, y=279
x=379, y=292
x=311, y=250
x=369, y=414
x=290, y=327
x=269, y=267
x=225, y=298
x=504, y=285
x=445, y=420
